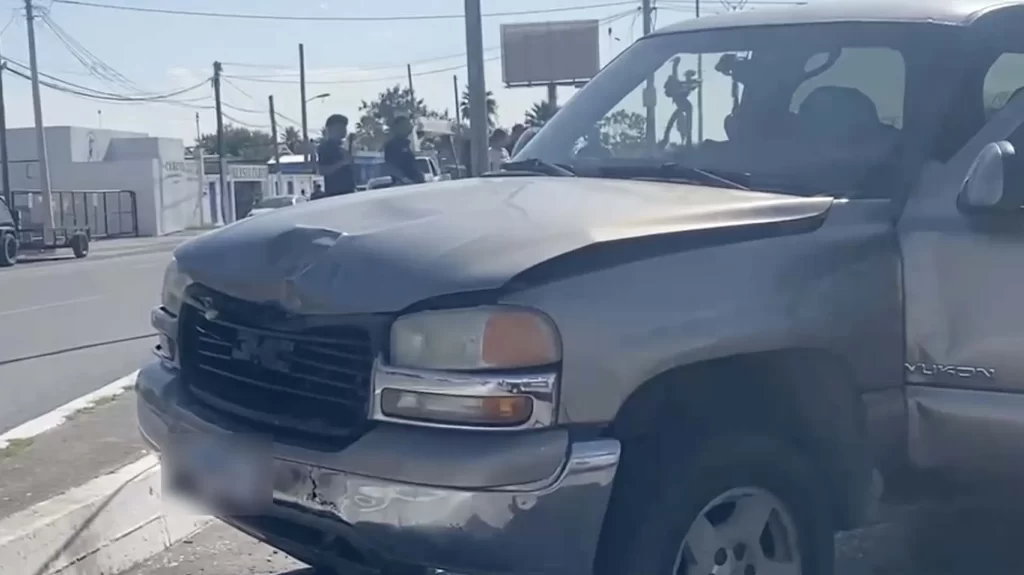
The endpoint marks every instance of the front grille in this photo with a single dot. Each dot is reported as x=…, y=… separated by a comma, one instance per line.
x=313, y=382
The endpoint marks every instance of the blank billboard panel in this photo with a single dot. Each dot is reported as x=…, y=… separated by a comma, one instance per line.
x=539, y=53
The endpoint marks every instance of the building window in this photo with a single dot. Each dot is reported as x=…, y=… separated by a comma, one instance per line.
x=291, y=188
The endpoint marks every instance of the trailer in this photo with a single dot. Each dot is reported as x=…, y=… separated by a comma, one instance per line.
x=16, y=239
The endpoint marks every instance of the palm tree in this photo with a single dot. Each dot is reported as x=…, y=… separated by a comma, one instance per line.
x=292, y=138
x=492, y=108
x=540, y=113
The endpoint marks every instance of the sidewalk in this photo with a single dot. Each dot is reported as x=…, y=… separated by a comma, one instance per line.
x=84, y=498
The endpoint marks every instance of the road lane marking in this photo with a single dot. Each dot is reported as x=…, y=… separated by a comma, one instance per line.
x=55, y=418
x=48, y=305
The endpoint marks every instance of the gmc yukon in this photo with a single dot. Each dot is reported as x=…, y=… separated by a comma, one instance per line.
x=693, y=327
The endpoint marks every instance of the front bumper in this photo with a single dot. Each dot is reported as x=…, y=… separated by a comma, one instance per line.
x=374, y=508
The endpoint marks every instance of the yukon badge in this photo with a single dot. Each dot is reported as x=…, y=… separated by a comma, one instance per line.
x=936, y=370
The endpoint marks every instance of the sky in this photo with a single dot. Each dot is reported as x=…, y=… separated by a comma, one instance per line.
x=351, y=61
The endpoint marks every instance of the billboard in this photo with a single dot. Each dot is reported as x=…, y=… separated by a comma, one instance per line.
x=542, y=53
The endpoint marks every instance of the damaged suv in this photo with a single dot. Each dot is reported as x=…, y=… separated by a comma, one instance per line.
x=691, y=328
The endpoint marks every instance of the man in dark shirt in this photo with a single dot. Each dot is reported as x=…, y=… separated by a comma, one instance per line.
x=334, y=161
x=398, y=154
x=510, y=143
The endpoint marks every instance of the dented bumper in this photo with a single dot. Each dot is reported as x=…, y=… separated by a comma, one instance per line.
x=418, y=500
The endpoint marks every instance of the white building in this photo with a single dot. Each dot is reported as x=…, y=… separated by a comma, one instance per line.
x=165, y=186
x=172, y=191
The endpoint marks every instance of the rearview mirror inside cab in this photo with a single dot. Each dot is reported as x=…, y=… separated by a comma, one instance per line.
x=989, y=186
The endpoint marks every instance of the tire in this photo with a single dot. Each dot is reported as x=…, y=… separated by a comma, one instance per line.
x=8, y=250
x=80, y=245
x=716, y=486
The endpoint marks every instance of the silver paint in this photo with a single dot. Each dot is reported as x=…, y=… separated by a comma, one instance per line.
x=454, y=529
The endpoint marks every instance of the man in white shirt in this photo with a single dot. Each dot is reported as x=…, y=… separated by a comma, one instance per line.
x=497, y=154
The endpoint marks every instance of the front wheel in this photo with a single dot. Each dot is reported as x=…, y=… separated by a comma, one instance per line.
x=8, y=250
x=80, y=245
x=741, y=505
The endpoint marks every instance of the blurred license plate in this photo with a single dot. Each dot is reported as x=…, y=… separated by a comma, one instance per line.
x=228, y=475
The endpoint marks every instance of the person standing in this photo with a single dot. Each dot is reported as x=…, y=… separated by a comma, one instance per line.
x=398, y=156
x=334, y=161
x=497, y=154
x=517, y=132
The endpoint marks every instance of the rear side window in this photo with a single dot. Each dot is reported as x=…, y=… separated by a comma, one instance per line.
x=1002, y=81
x=879, y=73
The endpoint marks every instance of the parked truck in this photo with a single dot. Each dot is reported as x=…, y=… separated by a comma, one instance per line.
x=699, y=357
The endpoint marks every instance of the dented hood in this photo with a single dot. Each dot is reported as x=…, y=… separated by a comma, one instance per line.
x=382, y=251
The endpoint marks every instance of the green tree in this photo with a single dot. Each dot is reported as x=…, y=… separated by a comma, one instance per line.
x=492, y=108
x=540, y=113
x=624, y=132
x=241, y=143
x=375, y=115
x=292, y=137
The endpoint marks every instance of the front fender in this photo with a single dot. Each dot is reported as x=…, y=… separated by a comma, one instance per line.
x=835, y=288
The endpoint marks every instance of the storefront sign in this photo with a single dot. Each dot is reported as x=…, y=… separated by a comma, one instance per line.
x=248, y=172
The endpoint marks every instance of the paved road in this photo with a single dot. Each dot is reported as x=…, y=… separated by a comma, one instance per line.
x=947, y=540
x=68, y=327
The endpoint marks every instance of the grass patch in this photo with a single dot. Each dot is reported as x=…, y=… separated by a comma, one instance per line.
x=14, y=447
x=94, y=406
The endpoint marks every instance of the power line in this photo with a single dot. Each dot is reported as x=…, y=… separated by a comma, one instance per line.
x=283, y=79
x=361, y=80
x=280, y=17
x=61, y=85
x=14, y=16
x=292, y=71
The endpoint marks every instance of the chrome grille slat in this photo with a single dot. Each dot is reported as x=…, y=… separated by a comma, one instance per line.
x=285, y=381
x=281, y=389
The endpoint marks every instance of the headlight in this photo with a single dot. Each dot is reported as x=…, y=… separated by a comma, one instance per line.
x=493, y=337
x=173, y=294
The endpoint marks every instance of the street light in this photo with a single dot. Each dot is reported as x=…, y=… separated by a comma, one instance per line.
x=319, y=97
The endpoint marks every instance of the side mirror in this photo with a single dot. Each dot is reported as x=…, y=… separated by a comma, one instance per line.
x=987, y=185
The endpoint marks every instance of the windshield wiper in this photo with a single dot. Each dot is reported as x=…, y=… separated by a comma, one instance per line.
x=536, y=166
x=675, y=171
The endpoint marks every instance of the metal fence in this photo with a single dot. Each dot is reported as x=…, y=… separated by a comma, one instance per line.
x=105, y=213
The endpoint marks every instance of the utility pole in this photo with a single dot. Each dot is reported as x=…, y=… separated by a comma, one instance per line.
x=277, y=148
x=199, y=133
x=222, y=176
x=458, y=102
x=477, y=87
x=412, y=91
x=700, y=85
x=302, y=94
x=37, y=106
x=8, y=192
x=650, y=96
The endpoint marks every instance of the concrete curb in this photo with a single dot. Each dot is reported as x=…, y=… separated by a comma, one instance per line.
x=54, y=418
x=103, y=527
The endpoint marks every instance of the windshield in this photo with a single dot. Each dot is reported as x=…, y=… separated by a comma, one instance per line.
x=276, y=202
x=802, y=109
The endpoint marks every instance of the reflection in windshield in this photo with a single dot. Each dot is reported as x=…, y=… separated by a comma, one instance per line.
x=795, y=108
